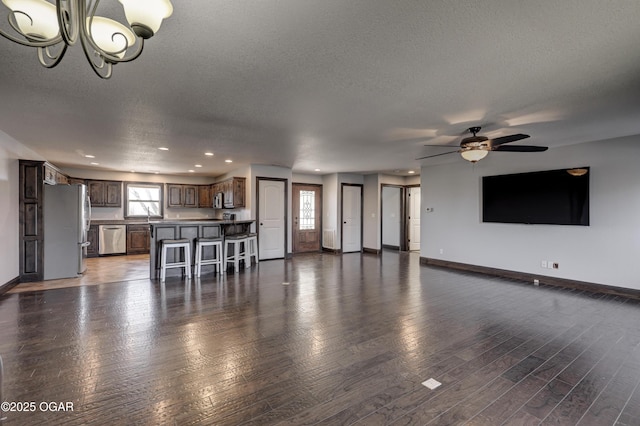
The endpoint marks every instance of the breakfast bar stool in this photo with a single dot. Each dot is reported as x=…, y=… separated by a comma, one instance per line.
x=217, y=260
x=251, y=249
x=184, y=244
x=238, y=244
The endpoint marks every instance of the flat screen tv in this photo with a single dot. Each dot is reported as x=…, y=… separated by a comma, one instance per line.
x=555, y=197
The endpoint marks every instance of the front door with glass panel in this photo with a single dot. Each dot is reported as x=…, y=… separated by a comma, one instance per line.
x=307, y=211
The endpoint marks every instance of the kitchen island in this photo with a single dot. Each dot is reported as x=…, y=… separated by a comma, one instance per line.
x=190, y=229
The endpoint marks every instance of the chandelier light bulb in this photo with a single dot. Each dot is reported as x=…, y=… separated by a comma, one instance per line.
x=35, y=18
x=111, y=36
x=145, y=16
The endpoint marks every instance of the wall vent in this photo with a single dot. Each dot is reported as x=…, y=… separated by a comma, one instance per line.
x=329, y=238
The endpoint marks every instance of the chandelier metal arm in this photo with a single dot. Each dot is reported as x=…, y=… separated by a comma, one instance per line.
x=68, y=21
x=89, y=44
x=44, y=55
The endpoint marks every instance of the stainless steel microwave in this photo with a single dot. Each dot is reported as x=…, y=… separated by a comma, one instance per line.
x=218, y=200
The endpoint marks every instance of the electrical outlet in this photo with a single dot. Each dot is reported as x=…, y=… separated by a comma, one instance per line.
x=441, y=251
x=536, y=282
x=549, y=264
x=556, y=265
x=543, y=263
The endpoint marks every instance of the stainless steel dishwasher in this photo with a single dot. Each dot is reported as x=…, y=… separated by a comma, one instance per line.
x=113, y=239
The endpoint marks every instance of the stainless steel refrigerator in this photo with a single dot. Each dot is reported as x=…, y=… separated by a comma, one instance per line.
x=66, y=217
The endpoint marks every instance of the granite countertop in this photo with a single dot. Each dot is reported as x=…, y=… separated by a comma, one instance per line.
x=118, y=222
x=168, y=221
x=203, y=221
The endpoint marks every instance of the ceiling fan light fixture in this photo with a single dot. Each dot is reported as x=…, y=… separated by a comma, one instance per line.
x=474, y=155
x=578, y=172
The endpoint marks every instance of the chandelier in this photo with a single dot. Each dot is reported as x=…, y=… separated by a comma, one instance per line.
x=52, y=28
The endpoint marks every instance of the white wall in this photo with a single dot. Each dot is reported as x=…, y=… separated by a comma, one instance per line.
x=10, y=152
x=305, y=178
x=606, y=252
x=391, y=215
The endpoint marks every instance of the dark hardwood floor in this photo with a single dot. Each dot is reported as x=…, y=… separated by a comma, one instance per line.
x=323, y=339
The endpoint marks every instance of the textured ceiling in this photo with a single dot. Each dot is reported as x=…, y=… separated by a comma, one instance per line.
x=342, y=86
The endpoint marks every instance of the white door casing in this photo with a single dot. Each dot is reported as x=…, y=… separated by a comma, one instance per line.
x=271, y=217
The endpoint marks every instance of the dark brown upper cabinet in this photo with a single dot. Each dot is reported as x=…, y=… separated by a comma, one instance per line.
x=105, y=193
x=182, y=195
x=205, y=198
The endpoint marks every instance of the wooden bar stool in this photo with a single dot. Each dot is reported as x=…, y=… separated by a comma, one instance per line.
x=251, y=249
x=238, y=244
x=184, y=244
x=217, y=258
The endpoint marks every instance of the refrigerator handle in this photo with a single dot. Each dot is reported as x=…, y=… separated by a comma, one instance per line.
x=89, y=209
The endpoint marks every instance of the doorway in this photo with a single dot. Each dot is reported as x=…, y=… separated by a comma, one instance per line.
x=351, y=217
x=272, y=217
x=400, y=217
x=307, y=217
x=392, y=216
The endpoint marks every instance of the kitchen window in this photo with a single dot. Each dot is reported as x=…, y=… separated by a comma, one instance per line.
x=143, y=200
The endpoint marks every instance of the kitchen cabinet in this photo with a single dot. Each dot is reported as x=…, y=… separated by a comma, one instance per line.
x=53, y=176
x=233, y=191
x=93, y=239
x=205, y=197
x=182, y=195
x=105, y=193
x=30, y=229
x=138, y=238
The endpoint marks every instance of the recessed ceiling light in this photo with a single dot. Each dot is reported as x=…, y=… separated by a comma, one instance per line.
x=89, y=156
x=411, y=172
x=163, y=148
x=209, y=154
x=317, y=170
x=133, y=171
x=94, y=163
x=191, y=171
x=228, y=161
x=157, y=173
x=198, y=165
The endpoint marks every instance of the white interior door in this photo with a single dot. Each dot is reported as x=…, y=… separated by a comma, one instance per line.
x=271, y=215
x=414, y=218
x=351, y=218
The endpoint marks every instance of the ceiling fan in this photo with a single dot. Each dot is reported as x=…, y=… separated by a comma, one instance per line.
x=475, y=148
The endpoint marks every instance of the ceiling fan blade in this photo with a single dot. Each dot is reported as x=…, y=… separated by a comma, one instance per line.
x=437, y=155
x=520, y=148
x=507, y=139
